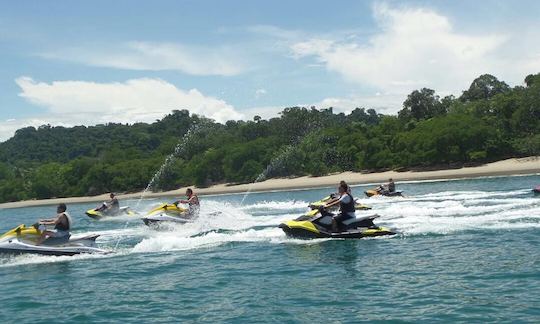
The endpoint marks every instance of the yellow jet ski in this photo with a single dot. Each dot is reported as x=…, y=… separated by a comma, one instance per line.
x=167, y=213
x=322, y=202
x=378, y=192
x=318, y=224
x=23, y=239
x=98, y=213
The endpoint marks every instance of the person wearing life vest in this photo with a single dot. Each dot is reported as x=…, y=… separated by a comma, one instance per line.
x=192, y=201
x=62, y=225
x=346, y=206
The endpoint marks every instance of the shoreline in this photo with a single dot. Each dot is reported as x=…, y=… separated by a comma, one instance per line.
x=514, y=166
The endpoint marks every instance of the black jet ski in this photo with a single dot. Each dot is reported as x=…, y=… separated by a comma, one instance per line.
x=318, y=224
x=536, y=190
x=99, y=213
x=22, y=239
x=317, y=204
x=167, y=213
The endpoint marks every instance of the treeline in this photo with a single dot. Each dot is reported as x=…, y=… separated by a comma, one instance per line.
x=489, y=121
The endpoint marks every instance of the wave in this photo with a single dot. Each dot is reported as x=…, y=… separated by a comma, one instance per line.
x=441, y=213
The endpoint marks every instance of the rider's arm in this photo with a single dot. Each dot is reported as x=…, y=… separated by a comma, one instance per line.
x=51, y=221
x=332, y=200
x=332, y=203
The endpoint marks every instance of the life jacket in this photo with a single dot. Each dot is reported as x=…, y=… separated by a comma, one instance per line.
x=346, y=208
x=62, y=226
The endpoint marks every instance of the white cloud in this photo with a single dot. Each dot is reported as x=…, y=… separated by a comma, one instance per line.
x=149, y=56
x=383, y=103
x=9, y=126
x=260, y=92
x=71, y=103
x=418, y=47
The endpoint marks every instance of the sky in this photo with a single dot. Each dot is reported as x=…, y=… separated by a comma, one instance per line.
x=89, y=62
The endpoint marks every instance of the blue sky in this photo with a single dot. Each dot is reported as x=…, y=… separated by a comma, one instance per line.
x=70, y=63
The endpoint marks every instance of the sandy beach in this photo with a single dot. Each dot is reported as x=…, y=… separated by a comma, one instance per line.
x=521, y=166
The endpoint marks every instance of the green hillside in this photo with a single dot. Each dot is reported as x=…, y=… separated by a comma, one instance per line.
x=489, y=121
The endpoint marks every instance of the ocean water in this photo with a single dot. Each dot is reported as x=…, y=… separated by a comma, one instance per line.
x=467, y=251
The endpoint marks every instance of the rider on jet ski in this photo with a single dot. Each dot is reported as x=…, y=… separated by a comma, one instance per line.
x=62, y=225
x=111, y=207
x=346, y=206
x=390, y=187
x=193, y=203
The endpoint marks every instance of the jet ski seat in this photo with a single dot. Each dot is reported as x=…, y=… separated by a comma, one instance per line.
x=57, y=240
x=364, y=221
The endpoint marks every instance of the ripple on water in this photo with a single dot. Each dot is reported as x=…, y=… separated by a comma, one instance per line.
x=467, y=251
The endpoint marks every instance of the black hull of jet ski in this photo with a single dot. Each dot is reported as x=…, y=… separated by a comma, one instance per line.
x=312, y=226
x=301, y=233
x=39, y=252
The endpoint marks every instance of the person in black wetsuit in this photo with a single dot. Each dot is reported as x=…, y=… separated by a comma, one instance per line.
x=346, y=206
x=62, y=225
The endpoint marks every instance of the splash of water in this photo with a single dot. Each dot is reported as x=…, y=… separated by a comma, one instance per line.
x=275, y=163
x=179, y=149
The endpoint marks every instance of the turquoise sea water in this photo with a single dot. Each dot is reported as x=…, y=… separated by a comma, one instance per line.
x=467, y=250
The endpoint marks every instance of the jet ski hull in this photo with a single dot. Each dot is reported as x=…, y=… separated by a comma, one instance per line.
x=96, y=214
x=292, y=229
x=371, y=193
x=164, y=218
x=22, y=240
x=16, y=247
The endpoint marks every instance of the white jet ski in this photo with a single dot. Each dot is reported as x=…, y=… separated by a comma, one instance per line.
x=167, y=213
x=22, y=239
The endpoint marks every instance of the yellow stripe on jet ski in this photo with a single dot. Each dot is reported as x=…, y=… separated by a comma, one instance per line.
x=307, y=225
x=22, y=231
x=168, y=209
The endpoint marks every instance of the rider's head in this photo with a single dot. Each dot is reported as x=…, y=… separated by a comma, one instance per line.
x=390, y=180
x=343, y=187
x=189, y=192
x=112, y=195
x=61, y=208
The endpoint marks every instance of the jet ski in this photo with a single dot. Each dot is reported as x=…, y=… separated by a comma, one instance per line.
x=318, y=224
x=375, y=192
x=166, y=213
x=99, y=214
x=22, y=239
x=322, y=202
x=536, y=190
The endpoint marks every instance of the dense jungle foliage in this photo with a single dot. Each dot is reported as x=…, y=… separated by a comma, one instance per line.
x=489, y=121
